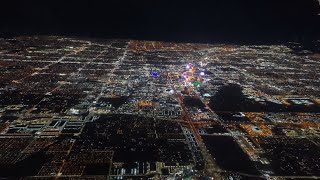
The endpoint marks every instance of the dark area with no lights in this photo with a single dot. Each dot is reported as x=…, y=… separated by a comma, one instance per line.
x=236, y=21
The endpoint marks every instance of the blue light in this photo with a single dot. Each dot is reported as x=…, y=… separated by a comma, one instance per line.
x=155, y=74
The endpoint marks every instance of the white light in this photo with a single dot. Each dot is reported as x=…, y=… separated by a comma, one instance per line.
x=188, y=66
x=202, y=74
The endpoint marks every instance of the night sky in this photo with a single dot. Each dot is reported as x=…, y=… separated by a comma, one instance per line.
x=206, y=21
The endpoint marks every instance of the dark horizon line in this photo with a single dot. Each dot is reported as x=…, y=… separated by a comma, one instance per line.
x=308, y=41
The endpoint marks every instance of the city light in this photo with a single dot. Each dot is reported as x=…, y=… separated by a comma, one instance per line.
x=160, y=115
x=155, y=74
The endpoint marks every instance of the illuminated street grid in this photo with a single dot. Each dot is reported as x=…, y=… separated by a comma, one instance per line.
x=79, y=108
